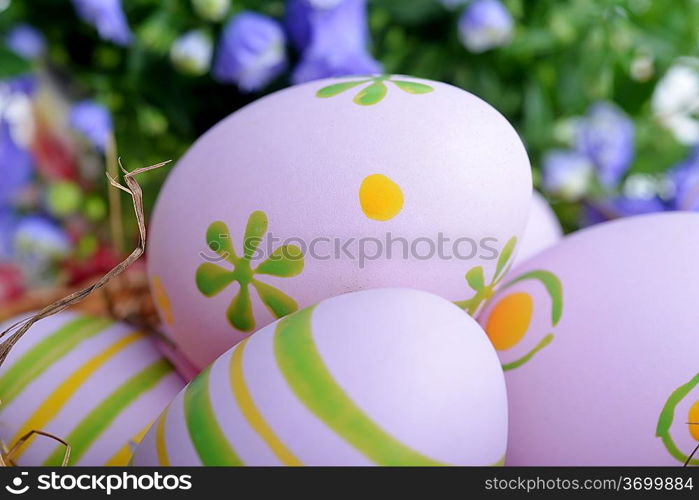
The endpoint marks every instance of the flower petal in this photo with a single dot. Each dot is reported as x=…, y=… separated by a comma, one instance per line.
x=278, y=303
x=285, y=261
x=413, y=87
x=211, y=279
x=218, y=238
x=338, y=88
x=255, y=230
x=239, y=313
x=371, y=94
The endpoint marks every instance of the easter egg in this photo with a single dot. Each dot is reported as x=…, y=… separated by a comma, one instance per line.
x=94, y=383
x=542, y=230
x=378, y=377
x=330, y=187
x=598, y=336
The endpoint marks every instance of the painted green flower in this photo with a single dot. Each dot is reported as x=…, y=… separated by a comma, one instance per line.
x=285, y=262
x=476, y=279
x=667, y=416
x=375, y=90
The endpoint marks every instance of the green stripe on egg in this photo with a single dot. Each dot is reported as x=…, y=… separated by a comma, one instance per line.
x=304, y=370
x=46, y=352
x=100, y=418
x=208, y=439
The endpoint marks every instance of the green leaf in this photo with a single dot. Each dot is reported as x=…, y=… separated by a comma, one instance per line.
x=285, y=261
x=338, y=88
x=218, y=238
x=239, y=313
x=211, y=279
x=12, y=65
x=413, y=87
x=505, y=256
x=475, y=278
x=278, y=303
x=371, y=94
x=255, y=230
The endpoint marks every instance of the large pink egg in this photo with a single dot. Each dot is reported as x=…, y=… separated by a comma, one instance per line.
x=542, y=230
x=92, y=382
x=377, y=377
x=330, y=187
x=599, y=337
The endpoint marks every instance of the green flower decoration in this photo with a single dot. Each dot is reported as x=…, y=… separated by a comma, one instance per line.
x=374, y=90
x=554, y=288
x=476, y=279
x=667, y=416
x=285, y=262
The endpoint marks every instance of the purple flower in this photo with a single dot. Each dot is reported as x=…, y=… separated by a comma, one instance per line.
x=484, y=25
x=38, y=242
x=621, y=207
x=26, y=41
x=685, y=180
x=93, y=121
x=606, y=137
x=333, y=40
x=8, y=224
x=16, y=166
x=251, y=52
x=566, y=174
x=107, y=17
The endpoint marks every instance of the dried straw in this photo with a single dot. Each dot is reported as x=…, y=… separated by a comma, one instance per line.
x=17, y=330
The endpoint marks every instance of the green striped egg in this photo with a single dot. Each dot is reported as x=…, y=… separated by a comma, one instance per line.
x=378, y=377
x=95, y=383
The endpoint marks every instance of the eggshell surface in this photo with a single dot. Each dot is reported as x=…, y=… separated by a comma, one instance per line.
x=92, y=382
x=542, y=230
x=598, y=339
x=340, y=185
x=378, y=377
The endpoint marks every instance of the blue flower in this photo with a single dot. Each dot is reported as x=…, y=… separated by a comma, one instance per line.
x=38, y=243
x=8, y=225
x=93, y=121
x=333, y=40
x=485, y=25
x=26, y=41
x=606, y=137
x=251, y=52
x=107, y=17
x=685, y=180
x=621, y=206
x=16, y=166
x=566, y=174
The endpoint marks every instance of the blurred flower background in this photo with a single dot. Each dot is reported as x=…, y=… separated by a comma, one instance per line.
x=604, y=93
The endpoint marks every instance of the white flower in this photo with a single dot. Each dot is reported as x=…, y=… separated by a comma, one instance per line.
x=675, y=101
x=191, y=53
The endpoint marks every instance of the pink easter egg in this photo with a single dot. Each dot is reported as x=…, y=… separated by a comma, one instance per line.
x=598, y=337
x=542, y=230
x=330, y=187
x=377, y=377
x=89, y=381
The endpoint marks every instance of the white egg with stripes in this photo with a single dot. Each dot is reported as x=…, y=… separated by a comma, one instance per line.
x=378, y=377
x=96, y=384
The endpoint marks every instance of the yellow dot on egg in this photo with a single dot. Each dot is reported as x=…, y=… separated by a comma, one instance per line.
x=694, y=420
x=509, y=320
x=380, y=197
x=162, y=300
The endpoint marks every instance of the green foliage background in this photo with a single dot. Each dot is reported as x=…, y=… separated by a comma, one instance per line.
x=564, y=56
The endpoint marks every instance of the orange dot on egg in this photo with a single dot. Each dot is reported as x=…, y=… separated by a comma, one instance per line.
x=380, y=197
x=509, y=320
x=162, y=300
x=693, y=420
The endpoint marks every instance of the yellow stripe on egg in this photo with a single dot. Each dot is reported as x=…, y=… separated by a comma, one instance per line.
x=56, y=401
